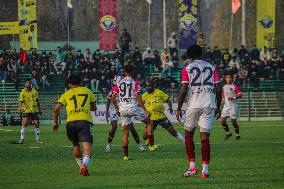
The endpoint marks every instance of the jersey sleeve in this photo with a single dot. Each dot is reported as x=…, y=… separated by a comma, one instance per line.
x=137, y=87
x=36, y=95
x=237, y=90
x=62, y=100
x=115, y=89
x=164, y=96
x=92, y=97
x=21, y=97
x=143, y=97
x=184, y=76
x=216, y=76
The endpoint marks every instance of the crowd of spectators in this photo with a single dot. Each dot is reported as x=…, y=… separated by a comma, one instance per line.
x=99, y=68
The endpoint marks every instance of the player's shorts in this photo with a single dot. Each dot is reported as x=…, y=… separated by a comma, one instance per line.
x=127, y=115
x=79, y=131
x=202, y=117
x=231, y=112
x=112, y=115
x=165, y=123
x=31, y=116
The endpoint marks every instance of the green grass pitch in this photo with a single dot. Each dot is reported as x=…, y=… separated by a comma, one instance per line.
x=257, y=161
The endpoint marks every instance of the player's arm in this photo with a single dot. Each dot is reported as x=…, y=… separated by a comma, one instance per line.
x=141, y=104
x=170, y=105
x=218, y=92
x=21, y=106
x=56, y=112
x=94, y=106
x=107, y=108
x=113, y=99
x=181, y=99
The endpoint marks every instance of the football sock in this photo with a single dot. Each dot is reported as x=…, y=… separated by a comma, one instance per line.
x=205, y=151
x=191, y=164
x=86, y=160
x=125, y=150
x=109, y=139
x=23, y=133
x=135, y=135
x=189, y=147
x=226, y=128
x=79, y=161
x=151, y=140
x=37, y=133
x=205, y=168
x=236, y=127
x=180, y=137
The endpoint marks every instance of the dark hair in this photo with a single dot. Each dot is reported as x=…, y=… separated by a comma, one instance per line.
x=74, y=80
x=151, y=82
x=28, y=79
x=229, y=74
x=194, y=52
x=128, y=68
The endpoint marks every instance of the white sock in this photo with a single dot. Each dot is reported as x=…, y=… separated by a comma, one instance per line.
x=23, y=133
x=79, y=161
x=37, y=133
x=205, y=168
x=228, y=133
x=238, y=135
x=191, y=164
x=86, y=160
x=180, y=137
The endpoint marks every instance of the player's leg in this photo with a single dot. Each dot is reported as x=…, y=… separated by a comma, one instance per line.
x=223, y=120
x=190, y=124
x=136, y=137
x=125, y=135
x=35, y=120
x=145, y=135
x=166, y=124
x=205, y=122
x=111, y=135
x=236, y=127
x=25, y=121
x=77, y=154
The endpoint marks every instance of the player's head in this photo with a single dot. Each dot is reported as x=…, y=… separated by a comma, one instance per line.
x=28, y=83
x=128, y=69
x=73, y=81
x=150, y=86
x=229, y=79
x=194, y=52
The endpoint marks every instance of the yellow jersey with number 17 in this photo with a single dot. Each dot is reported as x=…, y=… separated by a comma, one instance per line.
x=78, y=103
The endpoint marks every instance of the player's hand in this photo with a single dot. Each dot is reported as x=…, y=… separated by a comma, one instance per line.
x=55, y=126
x=147, y=113
x=218, y=113
x=107, y=116
x=178, y=115
x=171, y=110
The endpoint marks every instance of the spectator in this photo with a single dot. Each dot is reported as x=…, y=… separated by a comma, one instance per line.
x=226, y=57
x=95, y=77
x=59, y=63
x=79, y=59
x=44, y=82
x=44, y=62
x=137, y=62
x=14, y=55
x=69, y=59
x=207, y=55
x=3, y=70
x=147, y=58
x=120, y=71
x=253, y=76
x=11, y=67
x=23, y=59
x=51, y=62
x=141, y=81
x=14, y=75
x=217, y=55
x=164, y=54
x=157, y=60
x=111, y=74
x=172, y=43
x=117, y=55
x=265, y=54
x=160, y=82
x=275, y=64
x=68, y=74
x=103, y=84
x=242, y=76
x=88, y=56
x=201, y=41
x=234, y=63
x=254, y=54
x=8, y=119
x=166, y=65
x=243, y=52
x=35, y=79
x=96, y=56
x=34, y=59
x=125, y=39
x=175, y=60
x=86, y=77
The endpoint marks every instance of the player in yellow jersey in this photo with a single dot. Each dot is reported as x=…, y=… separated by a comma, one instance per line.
x=30, y=108
x=153, y=100
x=79, y=102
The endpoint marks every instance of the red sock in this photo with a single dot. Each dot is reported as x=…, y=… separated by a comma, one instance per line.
x=125, y=150
x=205, y=151
x=189, y=147
x=151, y=140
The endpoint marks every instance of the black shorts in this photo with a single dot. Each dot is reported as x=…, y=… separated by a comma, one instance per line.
x=31, y=116
x=165, y=123
x=79, y=131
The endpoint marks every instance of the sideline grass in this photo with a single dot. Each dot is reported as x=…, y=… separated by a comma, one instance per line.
x=257, y=161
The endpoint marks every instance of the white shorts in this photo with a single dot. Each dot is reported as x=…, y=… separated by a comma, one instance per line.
x=202, y=117
x=231, y=112
x=127, y=115
x=112, y=115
